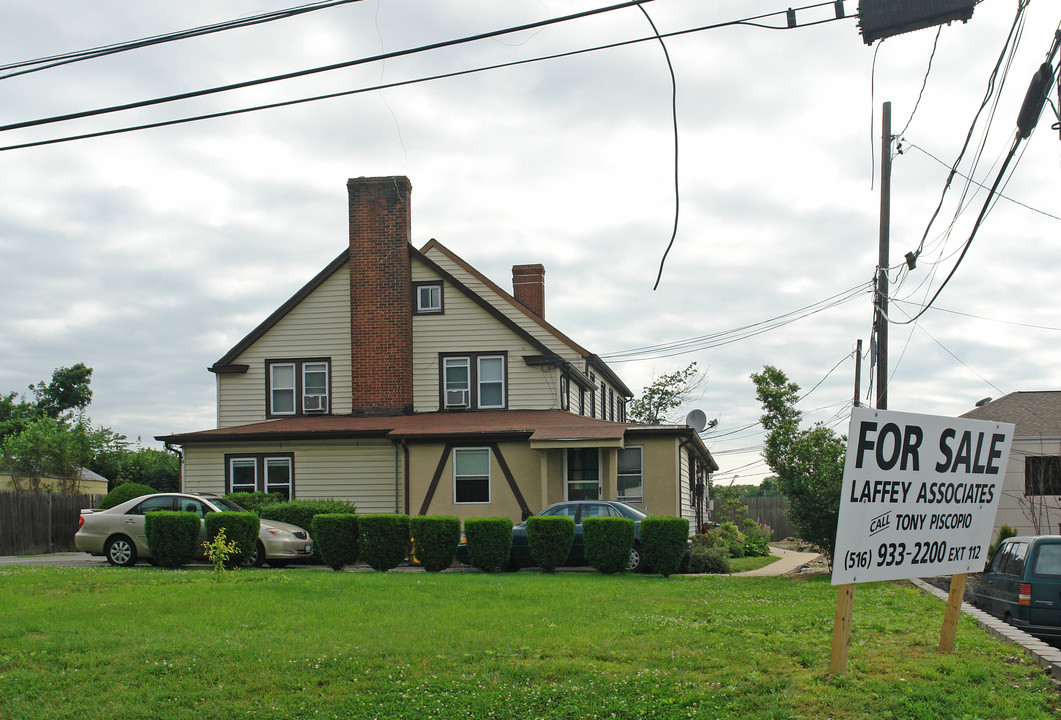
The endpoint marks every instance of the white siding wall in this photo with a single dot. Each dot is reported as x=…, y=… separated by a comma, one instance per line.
x=467, y=327
x=1013, y=507
x=361, y=471
x=318, y=327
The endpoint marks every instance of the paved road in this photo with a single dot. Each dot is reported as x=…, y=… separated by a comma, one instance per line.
x=67, y=559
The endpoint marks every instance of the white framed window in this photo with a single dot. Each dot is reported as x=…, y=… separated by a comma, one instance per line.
x=278, y=475
x=262, y=472
x=456, y=382
x=243, y=474
x=428, y=298
x=630, y=475
x=491, y=375
x=315, y=387
x=471, y=476
x=282, y=389
x=297, y=387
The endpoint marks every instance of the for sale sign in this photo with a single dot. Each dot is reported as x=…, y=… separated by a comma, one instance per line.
x=919, y=495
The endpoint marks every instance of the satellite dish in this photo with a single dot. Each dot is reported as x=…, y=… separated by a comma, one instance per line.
x=697, y=420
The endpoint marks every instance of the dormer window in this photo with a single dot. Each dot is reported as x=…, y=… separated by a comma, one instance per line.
x=297, y=387
x=428, y=300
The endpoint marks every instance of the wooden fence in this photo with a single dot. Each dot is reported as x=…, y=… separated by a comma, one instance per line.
x=37, y=523
x=772, y=511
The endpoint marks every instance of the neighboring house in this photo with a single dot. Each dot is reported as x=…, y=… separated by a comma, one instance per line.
x=406, y=381
x=89, y=483
x=1031, y=493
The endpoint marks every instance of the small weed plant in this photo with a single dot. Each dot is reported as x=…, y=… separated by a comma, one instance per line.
x=219, y=551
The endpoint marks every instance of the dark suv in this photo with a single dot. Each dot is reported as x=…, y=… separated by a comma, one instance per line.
x=1022, y=585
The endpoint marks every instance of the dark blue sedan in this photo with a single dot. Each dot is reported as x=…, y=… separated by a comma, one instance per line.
x=577, y=510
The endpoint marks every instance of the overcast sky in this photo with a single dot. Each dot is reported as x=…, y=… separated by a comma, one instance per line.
x=147, y=255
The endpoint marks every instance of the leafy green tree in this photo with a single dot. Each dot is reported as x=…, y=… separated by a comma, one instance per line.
x=147, y=466
x=809, y=463
x=48, y=454
x=666, y=394
x=67, y=394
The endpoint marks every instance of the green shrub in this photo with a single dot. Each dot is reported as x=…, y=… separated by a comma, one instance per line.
x=254, y=501
x=302, y=512
x=1003, y=532
x=608, y=541
x=734, y=539
x=435, y=539
x=711, y=560
x=124, y=492
x=240, y=527
x=489, y=542
x=384, y=540
x=173, y=537
x=336, y=536
x=663, y=540
x=550, y=538
x=756, y=538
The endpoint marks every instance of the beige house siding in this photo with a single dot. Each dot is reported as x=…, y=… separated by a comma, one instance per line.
x=319, y=326
x=368, y=473
x=467, y=327
x=1014, y=508
x=524, y=463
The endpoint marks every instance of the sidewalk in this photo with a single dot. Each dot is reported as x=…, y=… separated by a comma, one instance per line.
x=789, y=561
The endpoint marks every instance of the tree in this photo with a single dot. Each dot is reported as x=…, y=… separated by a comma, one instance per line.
x=48, y=455
x=666, y=394
x=67, y=393
x=809, y=464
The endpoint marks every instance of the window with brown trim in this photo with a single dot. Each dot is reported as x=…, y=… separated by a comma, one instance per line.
x=473, y=381
x=297, y=387
x=261, y=472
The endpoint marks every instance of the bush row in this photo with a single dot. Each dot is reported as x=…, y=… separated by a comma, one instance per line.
x=173, y=537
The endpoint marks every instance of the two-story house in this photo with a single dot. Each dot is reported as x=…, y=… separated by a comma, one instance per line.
x=404, y=380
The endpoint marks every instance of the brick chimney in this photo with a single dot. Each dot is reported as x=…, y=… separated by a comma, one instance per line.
x=381, y=317
x=528, y=286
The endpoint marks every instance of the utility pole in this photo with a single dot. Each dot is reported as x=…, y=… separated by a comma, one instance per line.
x=858, y=373
x=882, y=260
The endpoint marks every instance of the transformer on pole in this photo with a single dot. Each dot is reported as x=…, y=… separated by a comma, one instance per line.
x=879, y=19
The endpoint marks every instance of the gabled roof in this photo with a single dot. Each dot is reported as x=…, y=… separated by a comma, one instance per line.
x=504, y=296
x=1036, y=414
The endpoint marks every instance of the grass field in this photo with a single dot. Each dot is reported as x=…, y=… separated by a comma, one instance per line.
x=101, y=643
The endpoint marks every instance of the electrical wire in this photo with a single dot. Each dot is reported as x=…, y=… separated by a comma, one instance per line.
x=24, y=67
x=268, y=106
x=924, y=82
x=725, y=337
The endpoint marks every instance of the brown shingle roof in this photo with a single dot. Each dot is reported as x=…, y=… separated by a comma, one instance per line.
x=1036, y=414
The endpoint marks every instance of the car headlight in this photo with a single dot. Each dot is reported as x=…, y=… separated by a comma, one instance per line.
x=282, y=534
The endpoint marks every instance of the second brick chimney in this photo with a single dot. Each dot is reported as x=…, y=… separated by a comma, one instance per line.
x=381, y=318
x=528, y=286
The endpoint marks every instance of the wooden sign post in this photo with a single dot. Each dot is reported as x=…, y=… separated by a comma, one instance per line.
x=953, y=612
x=845, y=608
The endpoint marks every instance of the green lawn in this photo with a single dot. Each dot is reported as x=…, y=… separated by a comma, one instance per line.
x=101, y=643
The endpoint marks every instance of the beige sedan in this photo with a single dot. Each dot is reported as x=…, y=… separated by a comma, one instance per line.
x=118, y=533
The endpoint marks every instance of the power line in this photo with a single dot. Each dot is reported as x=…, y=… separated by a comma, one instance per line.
x=24, y=67
x=385, y=56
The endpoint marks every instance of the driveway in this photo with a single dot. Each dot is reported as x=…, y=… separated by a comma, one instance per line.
x=66, y=559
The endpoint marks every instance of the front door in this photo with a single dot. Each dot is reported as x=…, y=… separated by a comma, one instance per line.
x=583, y=474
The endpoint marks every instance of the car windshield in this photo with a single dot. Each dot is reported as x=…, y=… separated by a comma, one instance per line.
x=226, y=505
x=630, y=512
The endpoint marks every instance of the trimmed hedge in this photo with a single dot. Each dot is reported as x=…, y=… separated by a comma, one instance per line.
x=550, y=538
x=489, y=542
x=435, y=539
x=124, y=492
x=173, y=537
x=608, y=541
x=337, y=537
x=709, y=559
x=663, y=540
x=255, y=501
x=384, y=540
x=240, y=527
x=302, y=512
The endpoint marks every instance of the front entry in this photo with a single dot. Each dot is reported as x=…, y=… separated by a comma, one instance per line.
x=583, y=474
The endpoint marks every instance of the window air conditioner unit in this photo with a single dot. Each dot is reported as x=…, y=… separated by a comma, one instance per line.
x=315, y=403
x=457, y=398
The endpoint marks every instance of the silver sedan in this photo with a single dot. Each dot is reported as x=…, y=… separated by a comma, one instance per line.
x=118, y=533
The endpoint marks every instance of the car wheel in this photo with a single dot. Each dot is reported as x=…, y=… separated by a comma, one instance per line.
x=256, y=558
x=637, y=561
x=120, y=551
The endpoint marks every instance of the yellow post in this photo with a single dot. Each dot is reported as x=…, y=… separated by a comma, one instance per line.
x=845, y=607
x=953, y=612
